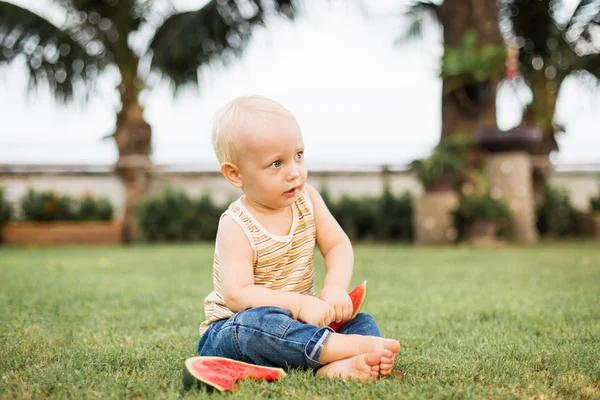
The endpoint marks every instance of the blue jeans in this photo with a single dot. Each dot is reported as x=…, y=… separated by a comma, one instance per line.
x=269, y=336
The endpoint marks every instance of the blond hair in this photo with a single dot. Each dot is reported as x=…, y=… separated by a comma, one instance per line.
x=231, y=118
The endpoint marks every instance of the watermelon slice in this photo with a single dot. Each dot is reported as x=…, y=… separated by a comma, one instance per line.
x=222, y=373
x=357, y=295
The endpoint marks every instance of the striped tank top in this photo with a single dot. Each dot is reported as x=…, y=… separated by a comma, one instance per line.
x=282, y=263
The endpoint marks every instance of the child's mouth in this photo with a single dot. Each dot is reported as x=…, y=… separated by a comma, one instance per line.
x=290, y=192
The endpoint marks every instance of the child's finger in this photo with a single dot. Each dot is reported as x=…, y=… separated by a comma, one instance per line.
x=348, y=312
x=332, y=315
x=339, y=314
x=327, y=320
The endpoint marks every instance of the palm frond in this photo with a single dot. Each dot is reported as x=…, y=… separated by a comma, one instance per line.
x=132, y=11
x=582, y=11
x=420, y=13
x=420, y=7
x=111, y=21
x=583, y=28
x=59, y=58
x=189, y=40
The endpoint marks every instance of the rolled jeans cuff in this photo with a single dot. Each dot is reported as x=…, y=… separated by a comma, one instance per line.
x=315, y=345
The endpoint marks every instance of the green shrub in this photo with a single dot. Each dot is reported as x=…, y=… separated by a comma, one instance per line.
x=595, y=203
x=5, y=208
x=482, y=207
x=369, y=218
x=555, y=214
x=446, y=163
x=167, y=217
x=173, y=216
x=395, y=215
x=43, y=206
x=47, y=206
x=92, y=209
x=206, y=217
x=356, y=216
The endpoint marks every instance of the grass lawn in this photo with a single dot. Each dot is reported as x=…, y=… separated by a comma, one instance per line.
x=107, y=322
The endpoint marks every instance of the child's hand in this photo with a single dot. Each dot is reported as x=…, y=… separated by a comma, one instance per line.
x=315, y=311
x=339, y=300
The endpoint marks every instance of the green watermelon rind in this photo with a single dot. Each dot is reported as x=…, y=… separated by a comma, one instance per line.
x=191, y=376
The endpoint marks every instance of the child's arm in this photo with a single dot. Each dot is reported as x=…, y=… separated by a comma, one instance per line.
x=339, y=257
x=237, y=280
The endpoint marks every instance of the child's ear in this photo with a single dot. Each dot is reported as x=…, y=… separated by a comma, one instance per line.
x=232, y=173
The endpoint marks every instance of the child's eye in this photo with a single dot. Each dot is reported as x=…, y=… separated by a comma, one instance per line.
x=299, y=155
x=276, y=164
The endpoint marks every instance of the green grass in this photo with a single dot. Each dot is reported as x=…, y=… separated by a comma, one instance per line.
x=110, y=322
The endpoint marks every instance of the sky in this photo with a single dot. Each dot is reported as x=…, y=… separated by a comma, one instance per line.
x=360, y=100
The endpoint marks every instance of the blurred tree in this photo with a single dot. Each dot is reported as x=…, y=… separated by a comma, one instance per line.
x=99, y=34
x=473, y=60
x=553, y=44
x=551, y=47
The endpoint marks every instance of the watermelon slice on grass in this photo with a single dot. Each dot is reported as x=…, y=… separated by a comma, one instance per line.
x=357, y=295
x=222, y=373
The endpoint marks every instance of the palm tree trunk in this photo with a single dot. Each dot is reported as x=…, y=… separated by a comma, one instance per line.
x=133, y=137
x=540, y=113
x=463, y=113
x=470, y=108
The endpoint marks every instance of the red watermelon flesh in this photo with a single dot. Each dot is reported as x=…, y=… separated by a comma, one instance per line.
x=357, y=295
x=223, y=373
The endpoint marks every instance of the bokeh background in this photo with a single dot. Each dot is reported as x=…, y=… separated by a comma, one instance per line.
x=115, y=98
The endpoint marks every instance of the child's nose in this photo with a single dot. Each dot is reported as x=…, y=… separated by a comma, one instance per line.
x=293, y=172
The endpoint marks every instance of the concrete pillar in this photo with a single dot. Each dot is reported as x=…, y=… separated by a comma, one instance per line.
x=433, y=220
x=509, y=175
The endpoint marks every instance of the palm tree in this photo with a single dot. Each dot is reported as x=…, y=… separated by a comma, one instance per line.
x=96, y=35
x=550, y=51
x=468, y=27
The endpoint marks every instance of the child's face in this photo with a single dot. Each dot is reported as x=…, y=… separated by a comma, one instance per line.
x=271, y=165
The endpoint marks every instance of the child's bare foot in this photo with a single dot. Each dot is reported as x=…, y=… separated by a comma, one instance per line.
x=362, y=367
x=388, y=349
x=387, y=362
x=370, y=344
x=340, y=347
